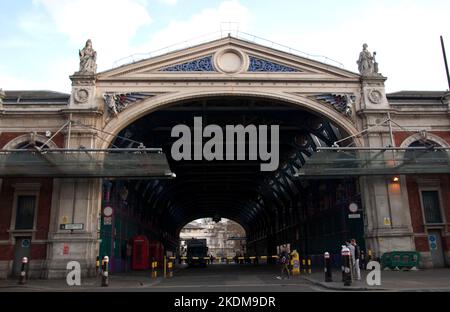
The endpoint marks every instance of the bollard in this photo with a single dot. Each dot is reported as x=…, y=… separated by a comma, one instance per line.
x=170, y=269
x=97, y=266
x=304, y=265
x=309, y=265
x=105, y=269
x=327, y=260
x=154, y=269
x=165, y=267
x=23, y=271
x=346, y=269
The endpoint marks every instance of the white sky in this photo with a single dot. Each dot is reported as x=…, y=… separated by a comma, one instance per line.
x=41, y=38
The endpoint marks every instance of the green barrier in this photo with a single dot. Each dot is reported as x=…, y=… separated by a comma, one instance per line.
x=400, y=259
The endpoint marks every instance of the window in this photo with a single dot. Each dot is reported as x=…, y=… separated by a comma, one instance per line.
x=431, y=207
x=25, y=212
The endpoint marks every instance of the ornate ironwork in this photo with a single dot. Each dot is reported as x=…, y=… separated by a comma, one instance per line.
x=118, y=102
x=199, y=65
x=343, y=103
x=260, y=65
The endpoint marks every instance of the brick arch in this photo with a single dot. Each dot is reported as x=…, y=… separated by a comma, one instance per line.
x=430, y=137
x=24, y=138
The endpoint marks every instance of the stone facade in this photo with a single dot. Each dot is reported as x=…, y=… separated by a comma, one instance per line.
x=225, y=67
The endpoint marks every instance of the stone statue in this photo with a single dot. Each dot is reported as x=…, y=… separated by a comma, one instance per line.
x=88, y=58
x=111, y=103
x=366, y=62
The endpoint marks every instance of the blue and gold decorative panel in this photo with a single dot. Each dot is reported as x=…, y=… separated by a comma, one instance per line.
x=261, y=65
x=204, y=64
x=118, y=102
x=343, y=103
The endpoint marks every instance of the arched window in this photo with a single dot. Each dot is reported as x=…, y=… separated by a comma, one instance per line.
x=428, y=155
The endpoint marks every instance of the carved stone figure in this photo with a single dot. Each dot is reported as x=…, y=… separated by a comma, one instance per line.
x=366, y=62
x=88, y=58
x=111, y=103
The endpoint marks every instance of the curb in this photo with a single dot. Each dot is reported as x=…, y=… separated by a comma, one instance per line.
x=346, y=288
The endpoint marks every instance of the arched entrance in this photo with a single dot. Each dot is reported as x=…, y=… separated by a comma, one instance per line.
x=274, y=206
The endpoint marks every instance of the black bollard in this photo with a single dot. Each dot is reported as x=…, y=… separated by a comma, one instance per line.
x=105, y=277
x=97, y=265
x=346, y=270
x=327, y=260
x=23, y=271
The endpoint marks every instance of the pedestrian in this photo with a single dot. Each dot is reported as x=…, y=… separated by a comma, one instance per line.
x=356, y=268
x=284, y=261
x=362, y=261
x=352, y=256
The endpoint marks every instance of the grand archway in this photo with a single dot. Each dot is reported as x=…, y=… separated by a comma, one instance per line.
x=274, y=207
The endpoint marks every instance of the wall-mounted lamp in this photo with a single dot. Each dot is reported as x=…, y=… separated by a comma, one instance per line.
x=395, y=179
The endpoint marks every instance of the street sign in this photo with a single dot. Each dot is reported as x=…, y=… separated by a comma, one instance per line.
x=72, y=226
x=354, y=216
x=387, y=221
x=432, y=240
x=107, y=220
x=25, y=243
x=108, y=211
x=353, y=207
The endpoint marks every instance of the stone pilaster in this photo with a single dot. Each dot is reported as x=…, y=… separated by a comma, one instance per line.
x=83, y=91
x=74, y=201
x=386, y=204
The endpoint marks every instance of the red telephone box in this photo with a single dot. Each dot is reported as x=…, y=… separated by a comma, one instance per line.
x=140, y=255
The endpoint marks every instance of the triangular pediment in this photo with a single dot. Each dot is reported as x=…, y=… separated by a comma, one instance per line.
x=224, y=58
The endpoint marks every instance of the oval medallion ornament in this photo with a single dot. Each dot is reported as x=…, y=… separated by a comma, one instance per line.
x=81, y=95
x=375, y=96
x=229, y=61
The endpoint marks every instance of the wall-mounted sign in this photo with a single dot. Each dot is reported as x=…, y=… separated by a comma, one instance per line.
x=72, y=226
x=107, y=220
x=353, y=207
x=432, y=241
x=66, y=249
x=25, y=243
x=354, y=216
x=65, y=219
x=108, y=211
x=387, y=221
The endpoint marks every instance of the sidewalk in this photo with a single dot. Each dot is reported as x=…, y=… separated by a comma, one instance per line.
x=116, y=281
x=421, y=280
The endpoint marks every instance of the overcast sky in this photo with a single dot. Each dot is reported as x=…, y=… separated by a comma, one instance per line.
x=40, y=38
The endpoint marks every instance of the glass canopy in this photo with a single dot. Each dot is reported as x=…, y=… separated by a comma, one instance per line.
x=85, y=163
x=352, y=161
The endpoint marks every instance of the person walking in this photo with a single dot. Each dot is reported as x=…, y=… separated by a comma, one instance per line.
x=352, y=256
x=284, y=261
x=356, y=268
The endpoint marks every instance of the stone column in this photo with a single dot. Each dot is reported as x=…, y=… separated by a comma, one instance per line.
x=76, y=200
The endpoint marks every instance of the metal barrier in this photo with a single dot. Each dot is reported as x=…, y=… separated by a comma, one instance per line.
x=400, y=259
